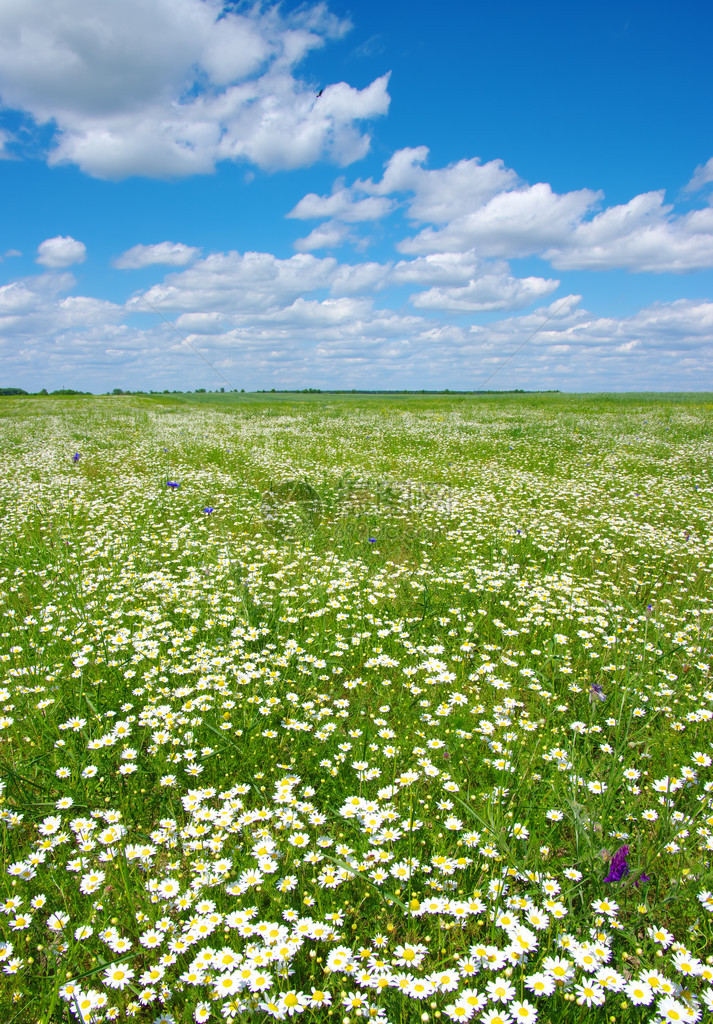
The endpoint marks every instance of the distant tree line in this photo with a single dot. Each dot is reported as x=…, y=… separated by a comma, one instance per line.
x=44, y=391
x=9, y=392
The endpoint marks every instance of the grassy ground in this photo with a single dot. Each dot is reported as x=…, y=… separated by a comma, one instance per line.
x=356, y=708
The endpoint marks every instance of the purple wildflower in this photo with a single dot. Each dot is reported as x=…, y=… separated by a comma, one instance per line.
x=173, y=484
x=618, y=868
x=208, y=509
x=596, y=692
x=76, y=457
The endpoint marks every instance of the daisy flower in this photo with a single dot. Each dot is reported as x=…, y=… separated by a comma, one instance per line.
x=639, y=992
x=590, y=994
x=674, y=1012
x=523, y=1012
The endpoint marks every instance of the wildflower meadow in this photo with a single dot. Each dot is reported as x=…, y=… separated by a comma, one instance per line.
x=350, y=708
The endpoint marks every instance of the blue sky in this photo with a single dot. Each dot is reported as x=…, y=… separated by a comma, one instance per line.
x=519, y=194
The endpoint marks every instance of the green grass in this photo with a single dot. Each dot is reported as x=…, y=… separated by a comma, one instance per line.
x=354, y=710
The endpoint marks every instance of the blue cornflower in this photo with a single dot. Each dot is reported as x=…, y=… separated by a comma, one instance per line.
x=76, y=457
x=208, y=509
x=372, y=540
x=596, y=693
x=173, y=484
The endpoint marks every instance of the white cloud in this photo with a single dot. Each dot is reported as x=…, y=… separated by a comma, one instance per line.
x=702, y=176
x=462, y=283
x=510, y=224
x=342, y=205
x=641, y=235
x=287, y=337
x=236, y=283
x=488, y=293
x=201, y=323
x=474, y=205
x=311, y=314
x=442, y=268
x=351, y=279
x=17, y=298
x=171, y=87
x=278, y=124
x=34, y=308
x=61, y=251
x=663, y=329
x=445, y=193
x=172, y=254
x=5, y=139
x=469, y=207
x=256, y=305
x=329, y=235
x=84, y=311
x=438, y=196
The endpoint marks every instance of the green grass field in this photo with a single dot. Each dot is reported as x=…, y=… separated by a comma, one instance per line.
x=346, y=708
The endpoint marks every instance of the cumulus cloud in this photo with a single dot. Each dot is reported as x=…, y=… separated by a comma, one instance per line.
x=511, y=224
x=469, y=207
x=236, y=282
x=641, y=235
x=443, y=194
x=351, y=279
x=37, y=307
x=343, y=207
x=61, y=251
x=663, y=346
x=702, y=176
x=201, y=323
x=437, y=196
x=341, y=204
x=233, y=284
x=171, y=87
x=663, y=330
x=17, y=298
x=84, y=311
x=308, y=321
x=443, y=268
x=171, y=254
x=330, y=235
x=488, y=293
x=463, y=283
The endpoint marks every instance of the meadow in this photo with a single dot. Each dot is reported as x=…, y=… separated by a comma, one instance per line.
x=346, y=709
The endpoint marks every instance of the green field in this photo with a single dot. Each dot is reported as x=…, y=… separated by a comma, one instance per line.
x=344, y=708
